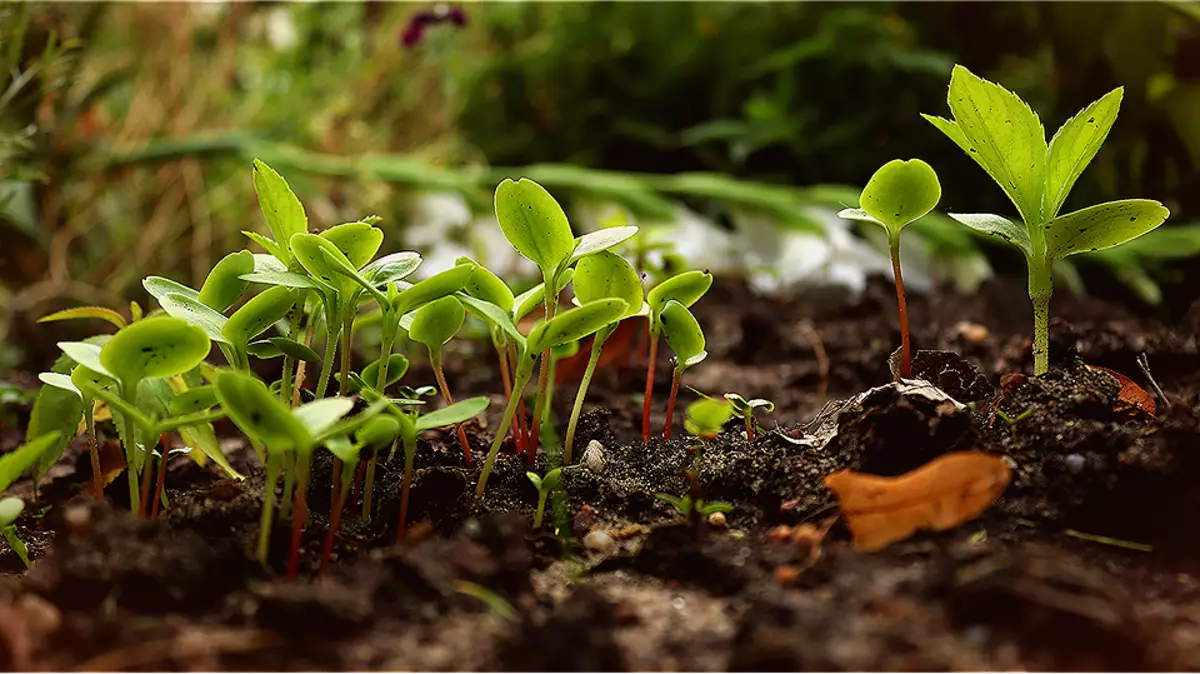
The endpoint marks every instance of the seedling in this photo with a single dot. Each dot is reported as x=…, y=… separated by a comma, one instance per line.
x=707, y=416
x=686, y=289
x=434, y=325
x=10, y=511
x=600, y=276
x=901, y=192
x=700, y=507
x=545, y=486
x=999, y=131
x=12, y=466
x=686, y=339
x=746, y=409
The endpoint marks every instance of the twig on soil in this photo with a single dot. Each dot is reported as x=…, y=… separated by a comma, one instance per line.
x=1144, y=363
x=814, y=340
x=188, y=645
x=1105, y=540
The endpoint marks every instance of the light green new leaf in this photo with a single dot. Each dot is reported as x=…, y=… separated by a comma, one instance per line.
x=224, y=284
x=600, y=240
x=102, y=313
x=378, y=433
x=392, y=267
x=263, y=349
x=683, y=335
x=605, y=274
x=203, y=438
x=258, y=314
x=10, y=510
x=707, y=416
x=530, y=299
x=341, y=265
x=259, y=413
x=193, y=312
x=486, y=286
x=575, y=323
x=397, y=368
x=319, y=415
x=293, y=349
x=192, y=400
x=87, y=355
x=58, y=408
x=493, y=315
x=60, y=381
x=453, y=414
x=358, y=241
x=287, y=279
x=439, y=285
x=534, y=223
x=160, y=287
x=21, y=459
x=344, y=450
x=437, y=322
x=283, y=211
x=995, y=225
x=323, y=260
x=685, y=288
x=1102, y=226
x=1075, y=144
x=276, y=250
x=743, y=405
x=901, y=192
x=154, y=347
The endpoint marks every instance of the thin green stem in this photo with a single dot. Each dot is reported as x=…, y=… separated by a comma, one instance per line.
x=390, y=326
x=524, y=374
x=287, y=372
x=541, y=508
x=331, y=344
x=94, y=447
x=593, y=360
x=1040, y=289
x=274, y=464
x=535, y=431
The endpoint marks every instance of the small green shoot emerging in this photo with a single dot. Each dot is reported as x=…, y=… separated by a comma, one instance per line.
x=686, y=339
x=545, y=486
x=746, y=408
x=686, y=289
x=999, y=131
x=10, y=510
x=434, y=325
x=900, y=192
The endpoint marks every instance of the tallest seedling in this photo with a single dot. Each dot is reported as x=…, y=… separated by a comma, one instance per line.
x=999, y=131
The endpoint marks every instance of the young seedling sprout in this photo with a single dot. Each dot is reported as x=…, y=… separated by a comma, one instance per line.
x=746, y=409
x=899, y=193
x=10, y=510
x=374, y=435
x=434, y=325
x=686, y=289
x=705, y=419
x=686, y=339
x=12, y=465
x=544, y=486
x=999, y=131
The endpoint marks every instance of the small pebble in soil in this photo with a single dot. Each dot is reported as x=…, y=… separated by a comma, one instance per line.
x=1075, y=463
x=593, y=457
x=599, y=541
x=717, y=520
x=77, y=518
x=973, y=333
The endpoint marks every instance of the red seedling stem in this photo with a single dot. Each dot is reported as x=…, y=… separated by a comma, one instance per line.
x=905, y=346
x=671, y=403
x=147, y=471
x=402, y=529
x=358, y=484
x=462, y=432
x=335, y=522
x=649, y=387
x=162, y=479
x=749, y=429
x=506, y=379
x=535, y=430
x=301, y=514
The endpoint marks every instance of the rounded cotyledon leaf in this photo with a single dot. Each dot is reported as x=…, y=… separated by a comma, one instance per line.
x=378, y=433
x=575, y=323
x=453, y=414
x=901, y=192
x=358, y=241
x=196, y=313
x=437, y=322
x=10, y=509
x=685, y=288
x=436, y=286
x=259, y=413
x=534, y=223
x=603, y=275
x=224, y=285
x=683, y=334
x=485, y=285
x=260, y=313
x=161, y=346
x=319, y=415
x=311, y=251
x=707, y=416
x=397, y=368
x=293, y=349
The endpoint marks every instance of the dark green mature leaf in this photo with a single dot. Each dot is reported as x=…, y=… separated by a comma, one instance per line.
x=901, y=192
x=161, y=346
x=1074, y=145
x=1102, y=226
x=605, y=274
x=534, y=223
x=995, y=225
x=685, y=288
x=261, y=414
x=683, y=334
x=283, y=211
x=192, y=311
x=437, y=322
x=21, y=459
x=575, y=323
x=224, y=284
x=453, y=414
x=260, y=313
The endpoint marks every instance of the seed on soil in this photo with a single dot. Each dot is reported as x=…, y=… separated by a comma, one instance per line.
x=594, y=458
x=77, y=518
x=599, y=541
x=1075, y=463
x=717, y=520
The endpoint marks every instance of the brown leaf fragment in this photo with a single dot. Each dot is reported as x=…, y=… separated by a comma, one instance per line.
x=940, y=495
x=1131, y=398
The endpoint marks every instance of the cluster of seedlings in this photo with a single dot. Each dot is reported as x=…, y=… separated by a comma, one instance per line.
x=152, y=377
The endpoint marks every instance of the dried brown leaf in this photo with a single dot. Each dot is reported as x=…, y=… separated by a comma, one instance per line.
x=1131, y=398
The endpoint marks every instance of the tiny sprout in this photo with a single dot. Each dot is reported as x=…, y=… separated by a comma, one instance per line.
x=686, y=339
x=900, y=192
x=746, y=409
x=433, y=325
x=685, y=506
x=545, y=486
x=707, y=416
x=686, y=289
x=10, y=510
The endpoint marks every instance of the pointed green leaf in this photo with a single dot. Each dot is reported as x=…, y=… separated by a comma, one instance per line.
x=742, y=405
x=397, y=368
x=534, y=223
x=161, y=346
x=160, y=287
x=575, y=323
x=603, y=275
x=190, y=310
x=58, y=409
x=275, y=249
x=263, y=349
x=13, y=464
x=602, y=239
x=436, y=286
x=453, y=414
x=319, y=415
x=437, y=322
x=342, y=266
x=1102, y=226
x=535, y=479
x=283, y=211
x=285, y=279
x=259, y=413
x=685, y=288
x=320, y=258
x=859, y=215
x=260, y=313
x=485, y=285
x=994, y=225
x=265, y=262
x=683, y=334
x=224, y=284
x=900, y=192
x=1075, y=144
x=358, y=241
x=101, y=313
x=391, y=268
x=60, y=381
x=493, y=315
x=202, y=437
x=293, y=349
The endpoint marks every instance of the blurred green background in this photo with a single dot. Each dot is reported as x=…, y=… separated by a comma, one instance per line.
x=126, y=130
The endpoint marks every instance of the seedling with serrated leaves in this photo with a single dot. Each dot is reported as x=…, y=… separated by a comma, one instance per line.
x=686, y=339
x=746, y=409
x=685, y=289
x=544, y=486
x=1000, y=132
x=900, y=193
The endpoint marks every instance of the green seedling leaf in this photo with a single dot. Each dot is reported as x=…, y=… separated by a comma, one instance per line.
x=995, y=225
x=154, y=347
x=453, y=414
x=378, y=433
x=293, y=349
x=265, y=262
x=485, y=285
x=101, y=313
x=1074, y=145
x=13, y=464
x=565, y=350
x=274, y=249
x=87, y=355
x=260, y=313
x=261, y=414
x=286, y=279
x=192, y=311
x=263, y=349
x=397, y=368
x=685, y=288
x=320, y=415
x=283, y=211
x=196, y=399
x=439, y=285
x=160, y=287
x=391, y=268
x=493, y=315
x=60, y=381
x=224, y=284
x=742, y=405
x=553, y=480
x=530, y=299
x=358, y=241
x=437, y=322
x=899, y=193
x=707, y=416
x=601, y=240
x=1102, y=226
x=683, y=334
x=57, y=409
x=342, y=448
x=716, y=507
x=683, y=504
x=534, y=224
x=575, y=323
x=324, y=261
x=535, y=479
x=10, y=510
x=603, y=275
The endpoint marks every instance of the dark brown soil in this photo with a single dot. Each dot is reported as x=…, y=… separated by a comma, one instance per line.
x=1088, y=561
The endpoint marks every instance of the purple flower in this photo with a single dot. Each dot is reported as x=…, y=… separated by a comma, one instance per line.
x=414, y=31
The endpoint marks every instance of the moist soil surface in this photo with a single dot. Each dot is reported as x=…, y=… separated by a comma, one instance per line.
x=1088, y=561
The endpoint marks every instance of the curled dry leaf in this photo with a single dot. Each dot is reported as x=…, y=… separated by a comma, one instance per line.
x=940, y=495
x=1132, y=398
